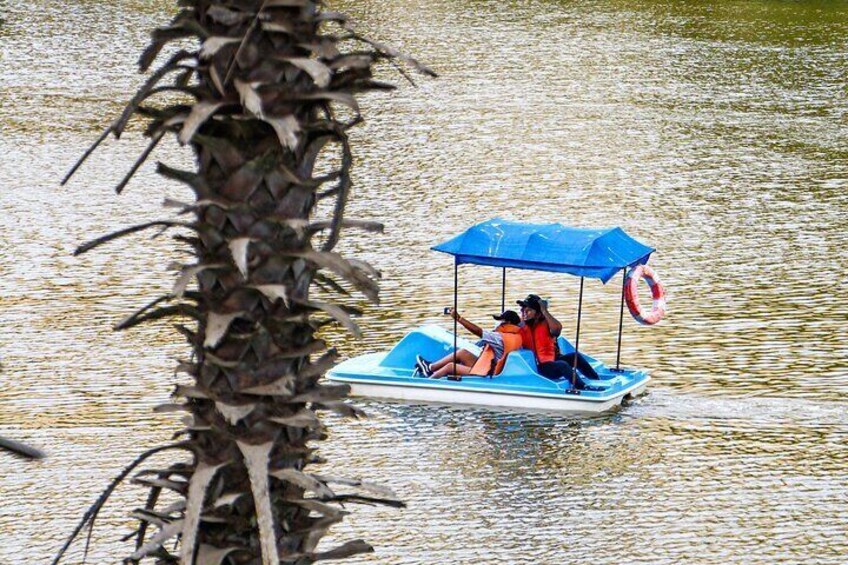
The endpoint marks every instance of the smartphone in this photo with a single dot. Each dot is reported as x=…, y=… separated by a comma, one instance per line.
x=446, y=311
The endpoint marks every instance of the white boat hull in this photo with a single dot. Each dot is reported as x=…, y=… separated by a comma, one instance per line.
x=563, y=403
x=389, y=375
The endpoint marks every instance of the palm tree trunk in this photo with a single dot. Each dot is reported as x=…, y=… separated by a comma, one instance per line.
x=266, y=97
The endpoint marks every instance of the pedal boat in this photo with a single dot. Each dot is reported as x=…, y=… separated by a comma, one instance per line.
x=587, y=253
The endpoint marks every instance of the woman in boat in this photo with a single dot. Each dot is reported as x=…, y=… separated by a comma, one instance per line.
x=539, y=332
x=495, y=343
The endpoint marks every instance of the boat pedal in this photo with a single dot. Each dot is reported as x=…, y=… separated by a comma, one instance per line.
x=572, y=391
x=454, y=377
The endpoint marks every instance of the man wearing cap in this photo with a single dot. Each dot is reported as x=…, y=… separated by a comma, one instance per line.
x=465, y=359
x=538, y=334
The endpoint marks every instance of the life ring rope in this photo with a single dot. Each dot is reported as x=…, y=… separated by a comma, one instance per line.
x=631, y=295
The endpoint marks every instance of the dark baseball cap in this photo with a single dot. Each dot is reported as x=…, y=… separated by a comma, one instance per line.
x=508, y=316
x=532, y=301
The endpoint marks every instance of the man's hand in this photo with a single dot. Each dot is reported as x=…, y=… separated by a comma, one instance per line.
x=553, y=324
x=453, y=313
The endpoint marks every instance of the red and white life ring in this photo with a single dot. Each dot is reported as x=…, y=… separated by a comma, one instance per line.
x=631, y=295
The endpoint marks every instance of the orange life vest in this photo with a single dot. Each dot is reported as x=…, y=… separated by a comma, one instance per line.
x=539, y=340
x=485, y=364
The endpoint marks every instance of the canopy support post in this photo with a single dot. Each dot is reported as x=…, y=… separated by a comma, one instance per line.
x=455, y=307
x=577, y=339
x=503, y=291
x=620, y=321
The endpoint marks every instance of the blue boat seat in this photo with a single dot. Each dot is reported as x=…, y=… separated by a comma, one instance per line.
x=434, y=342
x=431, y=342
x=518, y=363
x=521, y=365
x=565, y=348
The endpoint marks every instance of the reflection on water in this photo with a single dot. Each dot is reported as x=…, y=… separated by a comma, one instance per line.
x=713, y=131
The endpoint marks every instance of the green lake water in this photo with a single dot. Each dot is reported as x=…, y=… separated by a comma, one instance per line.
x=715, y=131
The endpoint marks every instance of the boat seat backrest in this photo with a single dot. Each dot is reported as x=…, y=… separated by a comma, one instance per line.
x=564, y=345
x=429, y=341
x=566, y=348
x=519, y=362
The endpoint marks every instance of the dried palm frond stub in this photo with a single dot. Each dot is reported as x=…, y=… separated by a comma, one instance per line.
x=262, y=91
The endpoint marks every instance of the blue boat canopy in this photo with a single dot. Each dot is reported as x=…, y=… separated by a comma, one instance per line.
x=585, y=252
